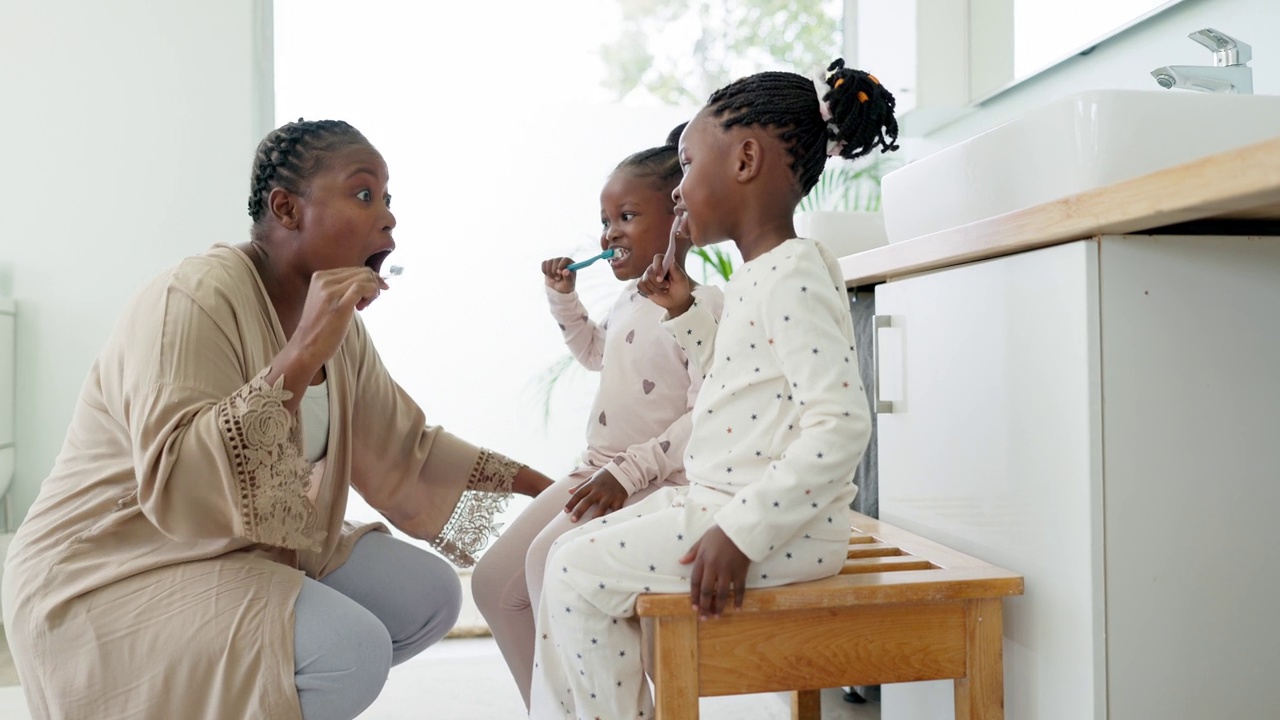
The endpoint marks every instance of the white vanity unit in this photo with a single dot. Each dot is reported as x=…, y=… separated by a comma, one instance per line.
x=1084, y=395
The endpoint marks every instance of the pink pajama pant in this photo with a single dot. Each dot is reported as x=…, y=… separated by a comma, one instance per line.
x=507, y=581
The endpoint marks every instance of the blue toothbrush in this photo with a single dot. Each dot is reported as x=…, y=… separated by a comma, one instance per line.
x=583, y=263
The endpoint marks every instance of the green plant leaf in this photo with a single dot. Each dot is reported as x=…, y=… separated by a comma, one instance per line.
x=546, y=381
x=849, y=186
x=714, y=260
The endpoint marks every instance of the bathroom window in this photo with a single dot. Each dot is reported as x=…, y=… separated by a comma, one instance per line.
x=499, y=125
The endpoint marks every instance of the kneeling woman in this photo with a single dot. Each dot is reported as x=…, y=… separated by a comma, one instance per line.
x=187, y=557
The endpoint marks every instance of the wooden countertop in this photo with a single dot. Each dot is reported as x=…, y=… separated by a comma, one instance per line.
x=1241, y=184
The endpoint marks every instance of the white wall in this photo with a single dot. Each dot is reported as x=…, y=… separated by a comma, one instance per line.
x=1126, y=60
x=128, y=129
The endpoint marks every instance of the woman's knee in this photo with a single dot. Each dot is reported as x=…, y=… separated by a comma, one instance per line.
x=444, y=592
x=415, y=594
x=438, y=602
x=342, y=654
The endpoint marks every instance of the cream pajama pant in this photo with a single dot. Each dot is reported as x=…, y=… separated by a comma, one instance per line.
x=587, y=659
x=507, y=581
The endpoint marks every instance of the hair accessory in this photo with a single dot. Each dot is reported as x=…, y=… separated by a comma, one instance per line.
x=821, y=89
x=834, y=144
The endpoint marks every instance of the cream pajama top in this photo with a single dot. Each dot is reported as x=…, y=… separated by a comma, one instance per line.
x=782, y=419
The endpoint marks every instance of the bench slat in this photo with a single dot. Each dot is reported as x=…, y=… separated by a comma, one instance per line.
x=885, y=564
x=875, y=549
x=912, y=544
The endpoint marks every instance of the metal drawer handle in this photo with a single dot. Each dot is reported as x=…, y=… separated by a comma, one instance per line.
x=877, y=323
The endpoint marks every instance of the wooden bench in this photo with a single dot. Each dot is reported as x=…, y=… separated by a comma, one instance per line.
x=902, y=609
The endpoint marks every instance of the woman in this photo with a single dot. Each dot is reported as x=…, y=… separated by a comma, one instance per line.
x=187, y=556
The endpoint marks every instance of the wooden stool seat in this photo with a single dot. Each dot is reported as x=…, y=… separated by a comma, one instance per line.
x=902, y=609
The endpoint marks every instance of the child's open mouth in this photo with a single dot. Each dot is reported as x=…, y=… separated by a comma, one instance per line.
x=620, y=256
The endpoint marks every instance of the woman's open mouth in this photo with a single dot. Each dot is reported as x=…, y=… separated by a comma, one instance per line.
x=374, y=262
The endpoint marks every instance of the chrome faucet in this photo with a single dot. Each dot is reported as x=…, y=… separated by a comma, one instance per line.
x=1230, y=72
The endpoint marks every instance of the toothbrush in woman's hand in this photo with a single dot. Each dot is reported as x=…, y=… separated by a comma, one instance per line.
x=583, y=263
x=393, y=271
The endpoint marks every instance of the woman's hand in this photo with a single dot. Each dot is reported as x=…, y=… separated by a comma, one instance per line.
x=530, y=482
x=558, y=276
x=718, y=565
x=602, y=490
x=669, y=288
x=333, y=298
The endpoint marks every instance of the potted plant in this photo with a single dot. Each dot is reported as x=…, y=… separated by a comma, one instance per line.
x=843, y=210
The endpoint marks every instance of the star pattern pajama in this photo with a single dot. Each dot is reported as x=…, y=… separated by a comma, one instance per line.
x=778, y=430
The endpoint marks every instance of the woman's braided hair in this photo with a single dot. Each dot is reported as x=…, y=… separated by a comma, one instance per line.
x=291, y=155
x=861, y=115
x=660, y=165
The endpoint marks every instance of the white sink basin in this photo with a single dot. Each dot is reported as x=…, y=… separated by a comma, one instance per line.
x=1078, y=143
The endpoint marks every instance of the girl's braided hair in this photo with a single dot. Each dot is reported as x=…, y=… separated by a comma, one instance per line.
x=291, y=155
x=861, y=112
x=661, y=164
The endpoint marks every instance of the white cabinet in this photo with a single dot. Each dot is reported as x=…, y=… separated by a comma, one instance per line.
x=1104, y=418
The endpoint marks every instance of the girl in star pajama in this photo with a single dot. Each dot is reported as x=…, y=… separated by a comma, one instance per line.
x=780, y=423
x=640, y=422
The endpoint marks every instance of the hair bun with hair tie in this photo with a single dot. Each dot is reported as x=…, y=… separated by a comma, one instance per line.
x=857, y=111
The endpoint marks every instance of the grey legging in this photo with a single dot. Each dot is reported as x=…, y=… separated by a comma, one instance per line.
x=387, y=603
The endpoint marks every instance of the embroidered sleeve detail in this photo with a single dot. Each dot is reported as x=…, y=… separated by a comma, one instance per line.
x=266, y=456
x=471, y=525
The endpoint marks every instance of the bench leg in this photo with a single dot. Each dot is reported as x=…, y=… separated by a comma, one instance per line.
x=980, y=694
x=675, y=666
x=806, y=705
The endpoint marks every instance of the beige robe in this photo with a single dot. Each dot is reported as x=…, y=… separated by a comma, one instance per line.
x=155, y=575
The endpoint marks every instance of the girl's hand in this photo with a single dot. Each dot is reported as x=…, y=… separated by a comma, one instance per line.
x=559, y=277
x=602, y=490
x=669, y=288
x=718, y=565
